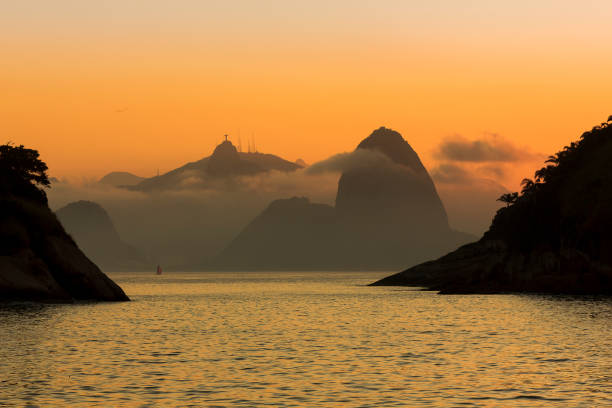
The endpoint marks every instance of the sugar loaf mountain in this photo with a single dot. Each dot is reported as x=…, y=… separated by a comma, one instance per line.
x=39, y=261
x=387, y=214
x=553, y=237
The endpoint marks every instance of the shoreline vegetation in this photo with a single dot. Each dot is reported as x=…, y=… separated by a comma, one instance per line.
x=552, y=237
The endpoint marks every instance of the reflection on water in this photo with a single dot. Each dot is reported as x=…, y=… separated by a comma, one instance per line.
x=286, y=339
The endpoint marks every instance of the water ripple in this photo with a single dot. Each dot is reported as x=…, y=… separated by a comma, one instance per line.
x=305, y=340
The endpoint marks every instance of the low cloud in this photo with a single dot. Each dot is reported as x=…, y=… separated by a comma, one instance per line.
x=469, y=195
x=195, y=220
x=489, y=148
x=341, y=162
x=496, y=171
x=458, y=173
x=450, y=173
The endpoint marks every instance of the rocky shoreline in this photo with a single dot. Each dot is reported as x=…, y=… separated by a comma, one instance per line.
x=491, y=267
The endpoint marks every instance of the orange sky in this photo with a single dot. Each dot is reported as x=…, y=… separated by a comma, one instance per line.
x=154, y=84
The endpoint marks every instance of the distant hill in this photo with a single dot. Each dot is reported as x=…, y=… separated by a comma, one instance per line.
x=225, y=163
x=120, y=179
x=553, y=237
x=93, y=230
x=290, y=234
x=387, y=214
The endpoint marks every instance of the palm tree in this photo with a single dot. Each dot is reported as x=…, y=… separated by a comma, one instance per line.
x=508, y=198
x=528, y=185
x=553, y=159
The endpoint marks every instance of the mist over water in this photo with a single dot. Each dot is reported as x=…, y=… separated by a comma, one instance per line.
x=191, y=220
x=188, y=225
x=303, y=340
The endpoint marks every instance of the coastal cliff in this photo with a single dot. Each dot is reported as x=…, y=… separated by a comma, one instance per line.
x=39, y=261
x=553, y=237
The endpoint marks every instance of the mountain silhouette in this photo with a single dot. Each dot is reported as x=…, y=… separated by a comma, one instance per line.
x=387, y=213
x=553, y=237
x=398, y=194
x=225, y=163
x=289, y=234
x=93, y=230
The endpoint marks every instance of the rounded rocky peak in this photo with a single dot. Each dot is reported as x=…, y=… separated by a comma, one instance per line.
x=382, y=135
x=225, y=160
x=84, y=207
x=225, y=149
x=392, y=144
x=86, y=217
x=83, y=218
x=120, y=178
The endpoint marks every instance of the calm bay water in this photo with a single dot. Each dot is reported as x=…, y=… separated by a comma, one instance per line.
x=304, y=340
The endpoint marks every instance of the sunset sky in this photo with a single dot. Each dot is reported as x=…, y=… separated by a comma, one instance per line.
x=131, y=85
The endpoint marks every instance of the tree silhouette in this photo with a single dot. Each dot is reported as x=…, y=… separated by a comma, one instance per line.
x=528, y=185
x=555, y=211
x=22, y=173
x=508, y=198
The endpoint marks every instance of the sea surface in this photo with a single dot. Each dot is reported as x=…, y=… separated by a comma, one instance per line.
x=305, y=340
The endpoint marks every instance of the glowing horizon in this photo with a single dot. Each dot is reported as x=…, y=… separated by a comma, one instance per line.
x=146, y=85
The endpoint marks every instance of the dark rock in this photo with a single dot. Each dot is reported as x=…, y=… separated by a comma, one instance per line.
x=40, y=262
x=552, y=238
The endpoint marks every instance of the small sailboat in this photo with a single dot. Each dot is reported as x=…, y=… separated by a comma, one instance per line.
x=159, y=270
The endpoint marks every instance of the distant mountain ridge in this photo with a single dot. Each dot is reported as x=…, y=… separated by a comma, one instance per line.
x=226, y=162
x=386, y=215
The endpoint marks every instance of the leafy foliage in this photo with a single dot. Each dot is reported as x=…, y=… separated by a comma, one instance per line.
x=22, y=173
x=508, y=198
x=567, y=203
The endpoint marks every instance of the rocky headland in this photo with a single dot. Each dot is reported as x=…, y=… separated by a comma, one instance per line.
x=553, y=237
x=39, y=261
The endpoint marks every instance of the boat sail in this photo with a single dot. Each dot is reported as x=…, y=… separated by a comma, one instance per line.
x=159, y=270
